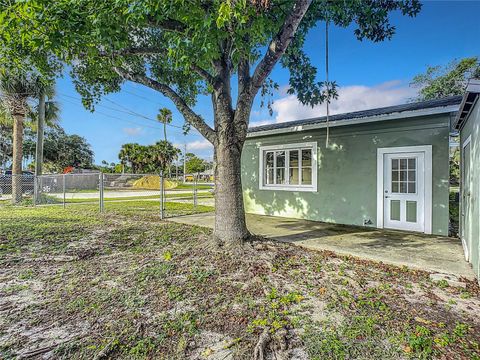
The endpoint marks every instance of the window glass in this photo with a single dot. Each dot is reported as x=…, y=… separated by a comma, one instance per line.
x=404, y=176
x=280, y=157
x=306, y=176
x=280, y=179
x=394, y=164
x=293, y=157
x=269, y=168
x=269, y=159
x=269, y=176
x=306, y=157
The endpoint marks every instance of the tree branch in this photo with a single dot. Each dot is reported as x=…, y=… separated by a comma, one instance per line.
x=167, y=24
x=279, y=43
x=189, y=115
x=243, y=74
x=142, y=50
x=209, y=78
x=244, y=99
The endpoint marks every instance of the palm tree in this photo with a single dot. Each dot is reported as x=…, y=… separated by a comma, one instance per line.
x=165, y=117
x=45, y=113
x=163, y=154
x=16, y=90
x=124, y=156
x=130, y=154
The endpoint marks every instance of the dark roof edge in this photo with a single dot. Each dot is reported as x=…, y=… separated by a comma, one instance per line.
x=365, y=115
x=469, y=99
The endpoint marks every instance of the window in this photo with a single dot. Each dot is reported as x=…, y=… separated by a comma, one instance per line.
x=289, y=167
x=404, y=178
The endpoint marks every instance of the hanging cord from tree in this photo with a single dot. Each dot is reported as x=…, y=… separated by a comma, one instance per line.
x=327, y=82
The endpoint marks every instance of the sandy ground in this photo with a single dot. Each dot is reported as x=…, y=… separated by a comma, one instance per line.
x=426, y=252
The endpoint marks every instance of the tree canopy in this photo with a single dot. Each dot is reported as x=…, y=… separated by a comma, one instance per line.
x=61, y=150
x=442, y=81
x=179, y=48
x=193, y=164
x=147, y=158
x=183, y=49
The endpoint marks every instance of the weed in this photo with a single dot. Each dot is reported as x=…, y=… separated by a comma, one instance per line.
x=275, y=313
x=442, y=284
x=420, y=342
x=15, y=288
x=26, y=275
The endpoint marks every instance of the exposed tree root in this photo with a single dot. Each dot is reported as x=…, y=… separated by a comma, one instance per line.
x=277, y=344
x=263, y=341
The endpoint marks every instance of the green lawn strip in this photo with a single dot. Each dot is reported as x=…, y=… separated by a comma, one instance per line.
x=200, y=186
x=124, y=284
x=49, y=199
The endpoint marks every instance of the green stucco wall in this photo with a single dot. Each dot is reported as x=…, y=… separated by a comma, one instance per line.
x=472, y=129
x=347, y=171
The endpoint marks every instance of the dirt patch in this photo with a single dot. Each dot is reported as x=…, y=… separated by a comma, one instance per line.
x=148, y=289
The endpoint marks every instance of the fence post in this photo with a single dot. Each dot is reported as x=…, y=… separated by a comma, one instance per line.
x=100, y=188
x=35, y=185
x=64, y=188
x=195, y=179
x=161, y=195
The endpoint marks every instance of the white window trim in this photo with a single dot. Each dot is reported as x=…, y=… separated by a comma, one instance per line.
x=427, y=149
x=285, y=187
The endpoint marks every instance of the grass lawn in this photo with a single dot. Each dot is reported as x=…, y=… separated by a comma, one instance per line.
x=76, y=284
x=189, y=186
x=187, y=196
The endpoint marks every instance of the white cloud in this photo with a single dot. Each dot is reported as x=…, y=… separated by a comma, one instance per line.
x=350, y=98
x=133, y=131
x=196, y=145
x=261, y=122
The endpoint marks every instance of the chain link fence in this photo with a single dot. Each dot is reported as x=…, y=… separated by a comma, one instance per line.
x=164, y=196
x=16, y=189
x=146, y=193
x=67, y=189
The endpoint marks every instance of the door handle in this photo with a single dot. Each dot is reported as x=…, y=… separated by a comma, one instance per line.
x=386, y=197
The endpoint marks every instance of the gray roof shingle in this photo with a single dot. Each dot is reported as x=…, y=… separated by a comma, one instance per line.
x=429, y=104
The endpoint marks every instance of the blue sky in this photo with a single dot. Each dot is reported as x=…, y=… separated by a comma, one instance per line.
x=369, y=75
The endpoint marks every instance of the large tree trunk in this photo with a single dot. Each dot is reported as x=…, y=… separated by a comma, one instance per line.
x=17, y=158
x=230, y=226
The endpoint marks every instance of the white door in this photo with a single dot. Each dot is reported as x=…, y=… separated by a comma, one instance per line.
x=404, y=191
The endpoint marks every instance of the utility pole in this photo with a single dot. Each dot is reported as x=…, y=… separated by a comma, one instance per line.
x=40, y=133
x=184, y=163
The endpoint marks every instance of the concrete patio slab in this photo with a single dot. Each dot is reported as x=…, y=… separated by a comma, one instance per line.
x=425, y=252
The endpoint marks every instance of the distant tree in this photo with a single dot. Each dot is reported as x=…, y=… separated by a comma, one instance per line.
x=442, y=81
x=124, y=157
x=129, y=156
x=455, y=167
x=148, y=158
x=162, y=154
x=62, y=150
x=5, y=144
x=109, y=167
x=194, y=164
x=165, y=117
